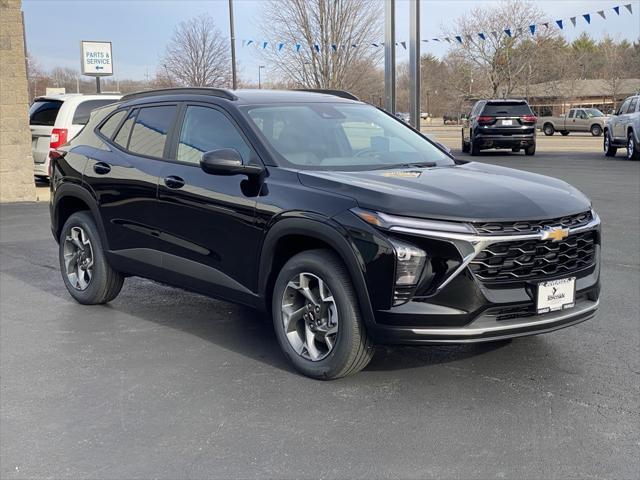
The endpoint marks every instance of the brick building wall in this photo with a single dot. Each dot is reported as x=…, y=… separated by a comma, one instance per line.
x=16, y=162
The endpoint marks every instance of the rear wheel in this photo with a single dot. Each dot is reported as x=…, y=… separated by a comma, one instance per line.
x=564, y=133
x=548, y=129
x=633, y=150
x=86, y=273
x=474, y=147
x=530, y=150
x=596, y=130
x=317, y=318
x=609, y=149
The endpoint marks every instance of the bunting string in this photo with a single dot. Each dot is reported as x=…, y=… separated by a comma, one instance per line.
x=483, y=36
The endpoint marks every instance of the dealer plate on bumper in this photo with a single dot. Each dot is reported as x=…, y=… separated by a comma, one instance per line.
x=556, y=295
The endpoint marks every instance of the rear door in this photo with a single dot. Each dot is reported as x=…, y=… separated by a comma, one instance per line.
x=619, y=127
x=42, y=118
x=206, y=222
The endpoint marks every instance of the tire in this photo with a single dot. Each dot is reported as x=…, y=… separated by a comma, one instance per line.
x=530, y=150
x=474, y=148
x=633, y=150
x=548, y=129
x=465, y=145
x=352, y=349
x=609, y=149
x=596, y=130
x=515, y=150
x=102, y=284
x=564, y=133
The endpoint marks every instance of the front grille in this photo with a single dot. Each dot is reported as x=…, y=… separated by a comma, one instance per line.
x=534, y=226
x=534, y=259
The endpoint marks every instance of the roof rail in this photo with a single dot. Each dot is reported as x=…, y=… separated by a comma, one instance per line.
x=335, y=93
x=216, y=92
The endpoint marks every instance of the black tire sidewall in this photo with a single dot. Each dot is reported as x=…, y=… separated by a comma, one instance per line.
x=548, y=130
x=319, y=263
x=595, y=130
x=99, y=273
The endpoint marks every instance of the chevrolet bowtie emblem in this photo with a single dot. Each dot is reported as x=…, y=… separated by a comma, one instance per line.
x=555, y=234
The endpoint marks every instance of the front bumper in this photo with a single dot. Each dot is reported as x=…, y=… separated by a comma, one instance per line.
x=464, y=309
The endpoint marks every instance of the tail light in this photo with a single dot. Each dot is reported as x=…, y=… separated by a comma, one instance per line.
x=528, y=119
x=484, y=119
x=58, y=138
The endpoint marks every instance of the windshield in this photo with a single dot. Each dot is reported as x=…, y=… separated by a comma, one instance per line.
x=593, y=112
x=333, y=136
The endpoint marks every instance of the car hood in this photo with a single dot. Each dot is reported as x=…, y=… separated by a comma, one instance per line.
x=468, y=192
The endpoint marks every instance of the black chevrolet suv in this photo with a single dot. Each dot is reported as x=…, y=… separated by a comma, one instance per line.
x=345, y=224
x=500, y=124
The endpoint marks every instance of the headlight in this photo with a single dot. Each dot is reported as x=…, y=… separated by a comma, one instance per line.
x=409, y=262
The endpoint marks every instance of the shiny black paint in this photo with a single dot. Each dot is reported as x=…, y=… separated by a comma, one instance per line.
x=224, y=235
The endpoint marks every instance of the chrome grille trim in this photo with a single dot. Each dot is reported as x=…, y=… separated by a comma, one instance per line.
x=470, y=245
x=533, y=226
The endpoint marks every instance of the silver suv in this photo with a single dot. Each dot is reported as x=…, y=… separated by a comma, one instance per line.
x=623, y=129
x=56, y=119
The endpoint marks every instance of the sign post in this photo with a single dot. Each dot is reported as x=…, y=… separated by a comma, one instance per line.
x=96, y=60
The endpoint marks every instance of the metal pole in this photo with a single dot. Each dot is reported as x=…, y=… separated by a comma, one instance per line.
x=414, y=63
x=233, y=47
x=390, y=56
x=98, y=89
x=259, y=80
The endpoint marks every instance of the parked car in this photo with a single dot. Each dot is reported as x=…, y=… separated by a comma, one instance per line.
x=500, y=124
x=623, y=129
x=351, y=228
x=405, y=117
x=56, y=119
x=577, y=120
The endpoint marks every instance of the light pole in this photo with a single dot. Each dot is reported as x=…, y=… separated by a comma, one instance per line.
x=259, y=77
x=234, y=78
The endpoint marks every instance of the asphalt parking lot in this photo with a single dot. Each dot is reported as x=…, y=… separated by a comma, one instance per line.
x=162, y=383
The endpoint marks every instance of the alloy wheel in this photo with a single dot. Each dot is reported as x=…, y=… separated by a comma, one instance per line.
x=309, y=316
x=630, y=147
x=78, y=258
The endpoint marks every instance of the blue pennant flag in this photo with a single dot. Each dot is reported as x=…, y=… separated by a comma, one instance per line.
x=354, y=45
x=334, y=47
x=425, y=41
x=298, y=47
x=280, y=45
x=507, y=31
x=628, y=7
x=375, y=45
x=435, y=39
x=404, y=45
x=317, y=47
x=532, y=28
x=481, y=35
x=587, y=17
x=617, y=10
x=264, y=45
x=559, y=22
x=249, y=42
x=459, y=38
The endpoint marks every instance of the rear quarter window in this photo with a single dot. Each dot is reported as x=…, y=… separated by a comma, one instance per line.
x=44, y=112
x=506, y=108
x=109, y=127
x=83, y=110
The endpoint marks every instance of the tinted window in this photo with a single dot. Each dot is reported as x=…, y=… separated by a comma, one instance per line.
x=581, y=114
x=150, y=130
x=122, y=138
x=44, y=112
x=624, y=107
x=206, y=129
x=571, y=112
x=108, y=128
x=632, y=105
x=83, y=111
x=507, y=108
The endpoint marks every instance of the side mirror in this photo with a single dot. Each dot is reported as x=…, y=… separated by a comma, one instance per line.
x=227, y=161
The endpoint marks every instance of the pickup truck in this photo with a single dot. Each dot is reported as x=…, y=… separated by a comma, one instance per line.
x=578, y=120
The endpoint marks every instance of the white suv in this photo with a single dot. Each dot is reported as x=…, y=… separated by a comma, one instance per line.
x=56, y=119
x=623, y=129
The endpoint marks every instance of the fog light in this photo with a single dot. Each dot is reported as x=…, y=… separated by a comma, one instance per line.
x=409, y=262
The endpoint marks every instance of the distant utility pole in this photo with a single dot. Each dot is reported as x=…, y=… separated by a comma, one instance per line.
x=259, y=76
x=234, y=79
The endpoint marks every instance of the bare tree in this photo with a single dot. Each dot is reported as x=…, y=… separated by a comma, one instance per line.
x=198, y=54
x=506, y=58
x=335, y=38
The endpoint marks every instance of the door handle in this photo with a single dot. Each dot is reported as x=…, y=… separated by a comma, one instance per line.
x=174, y=182
x=102, y=168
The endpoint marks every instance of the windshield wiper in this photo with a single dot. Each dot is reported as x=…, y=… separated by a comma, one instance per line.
x=407, y=165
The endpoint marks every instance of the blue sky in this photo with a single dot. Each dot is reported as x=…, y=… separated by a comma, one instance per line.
x=140, y=29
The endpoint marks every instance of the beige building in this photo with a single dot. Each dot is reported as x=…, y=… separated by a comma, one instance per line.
x=16, y=162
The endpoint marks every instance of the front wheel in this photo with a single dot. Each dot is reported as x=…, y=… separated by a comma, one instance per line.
x=465, y=145
x=609, y=149
x=548, y=130
x=86, y=273
x=530, y=150
x=633, y=150
x=596, y=130
x=317, y=317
